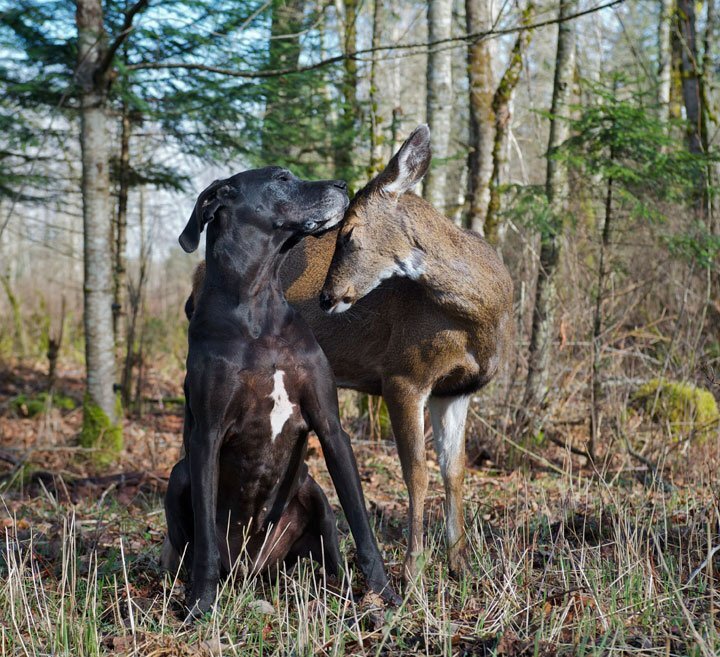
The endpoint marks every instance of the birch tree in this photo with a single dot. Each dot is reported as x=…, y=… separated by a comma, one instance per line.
x=664, y=58
x=551, y=232
x=439, y=98
x=95, y=56
x=99, y=346
x=480, y=77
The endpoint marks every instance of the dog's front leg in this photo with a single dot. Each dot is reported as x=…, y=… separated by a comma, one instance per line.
x=204, y=467
x=321, y=407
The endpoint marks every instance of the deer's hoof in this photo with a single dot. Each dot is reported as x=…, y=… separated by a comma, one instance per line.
x=458, y=565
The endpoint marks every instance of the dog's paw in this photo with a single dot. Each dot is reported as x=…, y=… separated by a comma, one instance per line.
x=195, y=613
x=198, y=604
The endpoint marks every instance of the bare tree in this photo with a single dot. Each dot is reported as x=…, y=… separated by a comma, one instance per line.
x=119, y=255
x=480, y=76
x=665, y=57
x=375, y=164
x=439, y=99
x=693, y=92
x=95, y=58
x=551, y=234
x=502, y=112
x=99, y=347
x=283, y=52
x=344, y=137
x=691, y=76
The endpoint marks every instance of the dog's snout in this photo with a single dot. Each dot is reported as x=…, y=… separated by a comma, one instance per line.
x=325, y=301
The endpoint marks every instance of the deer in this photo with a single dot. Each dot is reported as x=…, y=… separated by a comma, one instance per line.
x=407, y=305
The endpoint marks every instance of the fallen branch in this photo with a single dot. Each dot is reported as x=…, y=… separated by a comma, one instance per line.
x=652, y=468
x=566, y=445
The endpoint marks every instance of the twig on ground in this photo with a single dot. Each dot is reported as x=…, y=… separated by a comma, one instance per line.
x=566, y=445
x=703, y=565
x=652, y=467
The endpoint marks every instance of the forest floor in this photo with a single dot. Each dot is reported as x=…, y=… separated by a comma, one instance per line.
x=564, y=560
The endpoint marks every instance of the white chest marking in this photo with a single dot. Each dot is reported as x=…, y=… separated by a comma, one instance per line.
x=282, y=406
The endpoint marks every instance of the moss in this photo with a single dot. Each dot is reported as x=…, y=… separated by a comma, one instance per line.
x=31, y=406
x=99, y=433
x=27, y=406
x=63, y=402
x=681, y=406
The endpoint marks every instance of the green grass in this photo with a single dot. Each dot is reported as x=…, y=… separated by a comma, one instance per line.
x=564, y=566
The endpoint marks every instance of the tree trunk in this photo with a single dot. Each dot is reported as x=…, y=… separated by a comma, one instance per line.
x=480, y=78
x=283, y=52
x=119, y=261
x=556, y=189
x=19, y=341
x=690, y=71
x=376, y=160
x=98, y=296
x=501, y=109
x=665, y=58
x=693, y=94
x=439, y=99
x=596, y=383
x=344, y=139
x=456, y=171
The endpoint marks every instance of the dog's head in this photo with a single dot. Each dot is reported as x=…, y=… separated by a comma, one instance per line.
x=273, y=201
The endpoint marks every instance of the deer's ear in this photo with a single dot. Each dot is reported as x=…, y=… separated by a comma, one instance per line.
x=207, y=203
x=408, y=166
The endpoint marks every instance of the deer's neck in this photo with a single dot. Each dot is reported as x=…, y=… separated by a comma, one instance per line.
x=462, y=273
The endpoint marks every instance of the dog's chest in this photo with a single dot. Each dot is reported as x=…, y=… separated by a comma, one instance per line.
x=269, y=413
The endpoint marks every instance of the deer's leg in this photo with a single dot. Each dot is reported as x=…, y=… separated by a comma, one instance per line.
x=405, y=406
x=448, y=415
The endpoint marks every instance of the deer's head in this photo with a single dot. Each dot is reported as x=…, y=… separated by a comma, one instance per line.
x=375, y=242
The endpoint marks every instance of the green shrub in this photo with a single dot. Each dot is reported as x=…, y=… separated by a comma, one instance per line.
x=682, y=406
x=32, y=406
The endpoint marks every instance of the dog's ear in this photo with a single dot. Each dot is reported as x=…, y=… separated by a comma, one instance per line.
x=208, y=202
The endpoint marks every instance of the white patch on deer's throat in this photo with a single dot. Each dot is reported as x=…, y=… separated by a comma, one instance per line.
x=412, y=267
x=282, y=406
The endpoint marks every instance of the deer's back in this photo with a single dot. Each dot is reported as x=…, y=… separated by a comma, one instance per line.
x=396, y=330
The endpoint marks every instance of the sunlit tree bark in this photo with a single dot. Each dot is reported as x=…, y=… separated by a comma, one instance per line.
x=439, y=99
x=480, y=77
x=98, y=287
x=556, y=189
x=502, y=113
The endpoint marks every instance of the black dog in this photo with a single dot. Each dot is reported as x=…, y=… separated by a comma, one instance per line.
x=256, y=383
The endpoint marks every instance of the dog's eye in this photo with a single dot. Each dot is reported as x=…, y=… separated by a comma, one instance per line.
x=284, y=177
